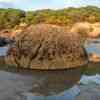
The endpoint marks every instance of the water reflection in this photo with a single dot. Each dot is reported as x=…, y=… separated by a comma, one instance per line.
x=55, y=85
x=66, y=95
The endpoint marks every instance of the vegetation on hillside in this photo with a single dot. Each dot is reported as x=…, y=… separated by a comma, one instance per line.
x=65, y=17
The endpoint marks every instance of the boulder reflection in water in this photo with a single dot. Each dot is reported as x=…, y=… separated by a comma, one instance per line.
x=55, y=85
x=50, y=83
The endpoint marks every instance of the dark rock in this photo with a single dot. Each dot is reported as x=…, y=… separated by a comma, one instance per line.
x=5, y=41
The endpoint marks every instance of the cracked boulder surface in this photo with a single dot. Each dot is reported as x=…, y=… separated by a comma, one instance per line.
x=45, y=46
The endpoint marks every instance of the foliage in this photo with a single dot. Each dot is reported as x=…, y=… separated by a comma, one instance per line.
x=68, y=16
x=10, y=17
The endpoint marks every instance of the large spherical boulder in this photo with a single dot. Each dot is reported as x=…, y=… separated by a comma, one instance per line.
x=46, y=47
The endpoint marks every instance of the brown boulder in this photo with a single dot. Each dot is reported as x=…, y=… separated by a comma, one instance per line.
x=46, y=47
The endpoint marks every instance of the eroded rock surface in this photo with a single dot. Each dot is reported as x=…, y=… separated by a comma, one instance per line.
x=46, y=46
